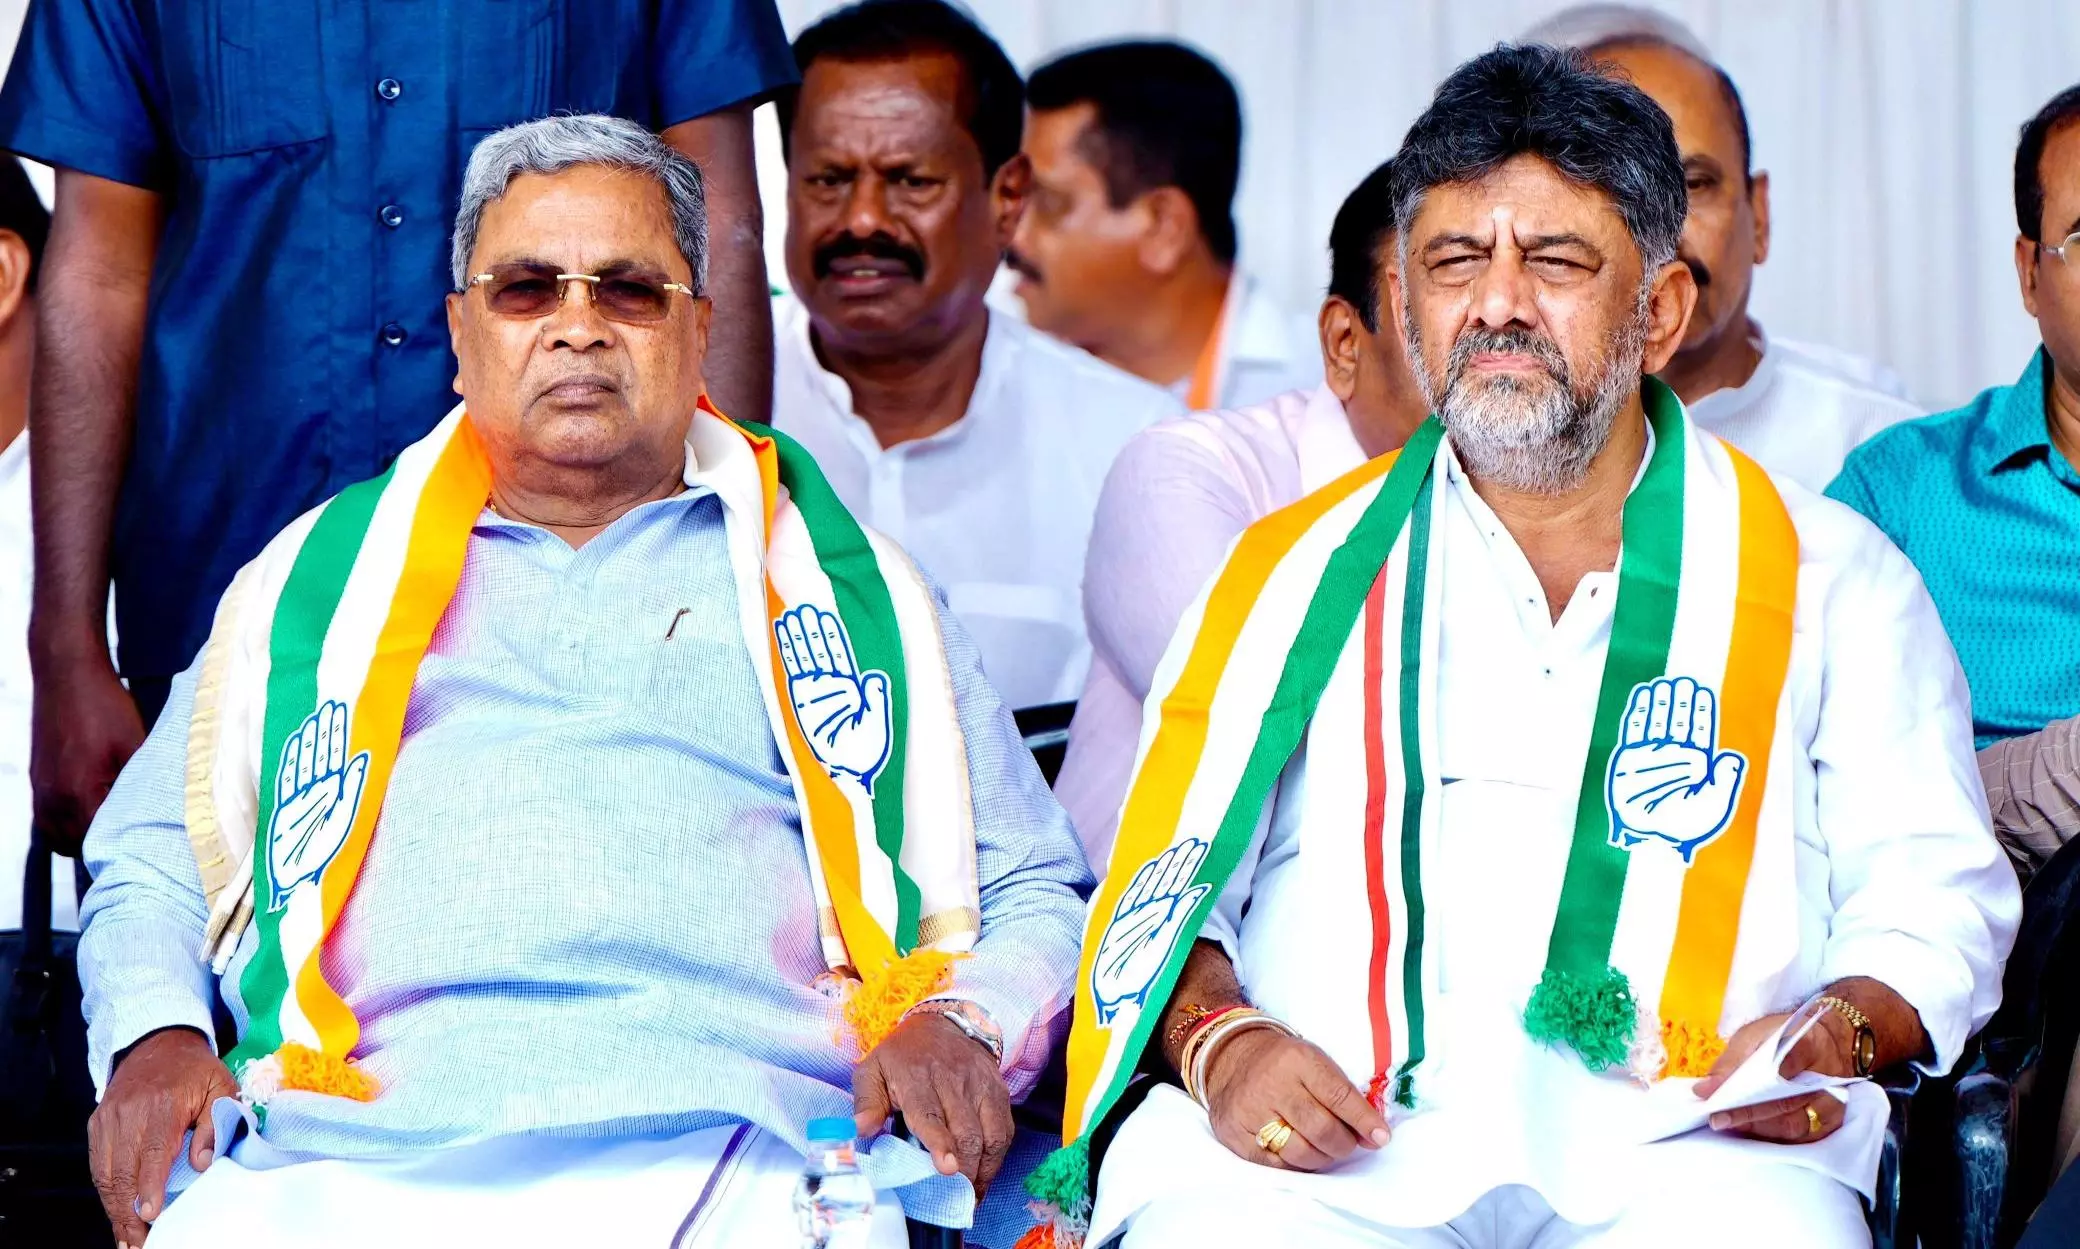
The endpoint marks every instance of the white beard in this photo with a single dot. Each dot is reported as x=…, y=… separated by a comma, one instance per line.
x=1532, y=435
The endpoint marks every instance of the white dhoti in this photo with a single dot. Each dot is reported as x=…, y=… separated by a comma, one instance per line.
x=1534, y=1153
x=1788, y=1207
x=712, y=1189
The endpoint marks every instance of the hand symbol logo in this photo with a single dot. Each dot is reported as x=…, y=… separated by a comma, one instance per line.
x=842, y=711
x=317, y=794
x=1667, y=779
x=1145, y=928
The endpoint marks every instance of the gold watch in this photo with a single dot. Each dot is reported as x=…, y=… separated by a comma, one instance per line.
x=1863, y=1043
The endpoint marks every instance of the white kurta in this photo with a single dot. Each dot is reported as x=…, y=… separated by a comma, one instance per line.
x=1264, y=351
x=1898, y=878
x=997, y=506
x=1178, y=495
x=1804, y=409
x=17, y=575
x=713, y=1189
x=1267, y=350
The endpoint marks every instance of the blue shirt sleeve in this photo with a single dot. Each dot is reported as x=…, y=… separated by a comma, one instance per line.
x=710, y=54
x=1031, y=871
x=141, y=927
x=1853, y=487
x=85, y=93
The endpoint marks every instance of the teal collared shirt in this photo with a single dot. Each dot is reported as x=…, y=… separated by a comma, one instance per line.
x=1989, y=511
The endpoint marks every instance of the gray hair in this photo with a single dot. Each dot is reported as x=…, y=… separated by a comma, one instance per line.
x=1551, y=103
x=554, y=144
x=1591, y=27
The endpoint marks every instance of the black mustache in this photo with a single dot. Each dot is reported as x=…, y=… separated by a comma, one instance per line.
x=1018, y=264
x=1699, y=271
x=874, y=246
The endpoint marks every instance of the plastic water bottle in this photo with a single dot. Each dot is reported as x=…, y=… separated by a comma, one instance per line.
x=833, y=1203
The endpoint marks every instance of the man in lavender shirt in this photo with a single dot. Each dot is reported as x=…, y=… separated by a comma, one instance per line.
x=1182, y=489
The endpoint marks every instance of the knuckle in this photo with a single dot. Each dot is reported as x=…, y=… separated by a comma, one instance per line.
x=968, y=1142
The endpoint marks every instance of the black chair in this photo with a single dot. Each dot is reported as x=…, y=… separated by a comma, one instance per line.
x=923, y=1235
x=1046, y=733
x=2057, y=1221
x=47, y=1193
x=2007, y=1106
x=1046, y=730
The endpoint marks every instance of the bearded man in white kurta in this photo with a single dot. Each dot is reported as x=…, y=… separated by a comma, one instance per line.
x=1539, y=833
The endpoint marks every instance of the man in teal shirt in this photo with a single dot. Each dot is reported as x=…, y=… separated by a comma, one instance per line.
x=1986, y=499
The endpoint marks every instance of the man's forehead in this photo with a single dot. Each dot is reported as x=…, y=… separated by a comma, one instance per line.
x=1526, y=195
x=2059, y=169
x=1687, y=89
x=580, y=215
x=1054, y=134
x=911, y=99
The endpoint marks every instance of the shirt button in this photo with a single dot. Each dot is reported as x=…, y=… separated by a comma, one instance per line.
x=390, y=215
x=393, y=335
x=389, y=88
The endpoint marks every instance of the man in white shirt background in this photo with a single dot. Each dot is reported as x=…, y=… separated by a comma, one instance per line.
x=1798, y=408
x=1128, y=244
x=976, y=442
x=1184, y=488
x=24, y=223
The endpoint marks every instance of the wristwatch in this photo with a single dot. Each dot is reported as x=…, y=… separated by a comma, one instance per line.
x=969, y=1018
x=1863, y=1044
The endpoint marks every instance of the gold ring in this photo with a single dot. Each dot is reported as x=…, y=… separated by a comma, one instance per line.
x=1812, y=1121
x=1272, y=1137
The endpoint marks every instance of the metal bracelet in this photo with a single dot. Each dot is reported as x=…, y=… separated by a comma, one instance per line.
x=1195, y=1083
x=954, y=1011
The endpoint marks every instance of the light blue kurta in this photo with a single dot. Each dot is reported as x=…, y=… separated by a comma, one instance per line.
x=586, y=909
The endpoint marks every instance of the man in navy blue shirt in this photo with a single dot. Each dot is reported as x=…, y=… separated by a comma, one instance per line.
x=241, y=306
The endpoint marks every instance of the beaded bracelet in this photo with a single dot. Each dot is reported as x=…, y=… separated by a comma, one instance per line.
x=1195, y=1017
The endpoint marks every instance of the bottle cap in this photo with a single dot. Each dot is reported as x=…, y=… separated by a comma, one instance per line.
x=831, y=1128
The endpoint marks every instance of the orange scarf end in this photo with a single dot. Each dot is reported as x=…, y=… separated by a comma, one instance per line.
x=879, y=1001
x=1691, y=1050
x=314, y=1071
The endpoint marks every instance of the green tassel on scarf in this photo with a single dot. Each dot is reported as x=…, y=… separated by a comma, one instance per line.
x=1595, y=1016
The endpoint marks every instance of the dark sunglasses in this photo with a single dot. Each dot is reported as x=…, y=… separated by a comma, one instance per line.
x=526, y=292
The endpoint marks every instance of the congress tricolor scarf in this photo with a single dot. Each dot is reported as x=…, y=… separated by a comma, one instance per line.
x=300, y=705
x=1320, y=630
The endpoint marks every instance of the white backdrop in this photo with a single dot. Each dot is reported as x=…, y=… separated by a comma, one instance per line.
x=1888, y=127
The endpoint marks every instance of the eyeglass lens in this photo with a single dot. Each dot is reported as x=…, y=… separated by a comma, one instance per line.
x=530, y=291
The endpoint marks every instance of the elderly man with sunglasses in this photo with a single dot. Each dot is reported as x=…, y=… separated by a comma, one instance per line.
x=572, y=814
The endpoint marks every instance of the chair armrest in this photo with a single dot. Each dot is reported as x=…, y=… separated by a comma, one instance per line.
x=1888, y=1228
x=1985, y=1130
x=1046, y=733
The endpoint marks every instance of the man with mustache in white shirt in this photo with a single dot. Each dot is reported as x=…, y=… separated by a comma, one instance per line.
x=975, y=441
